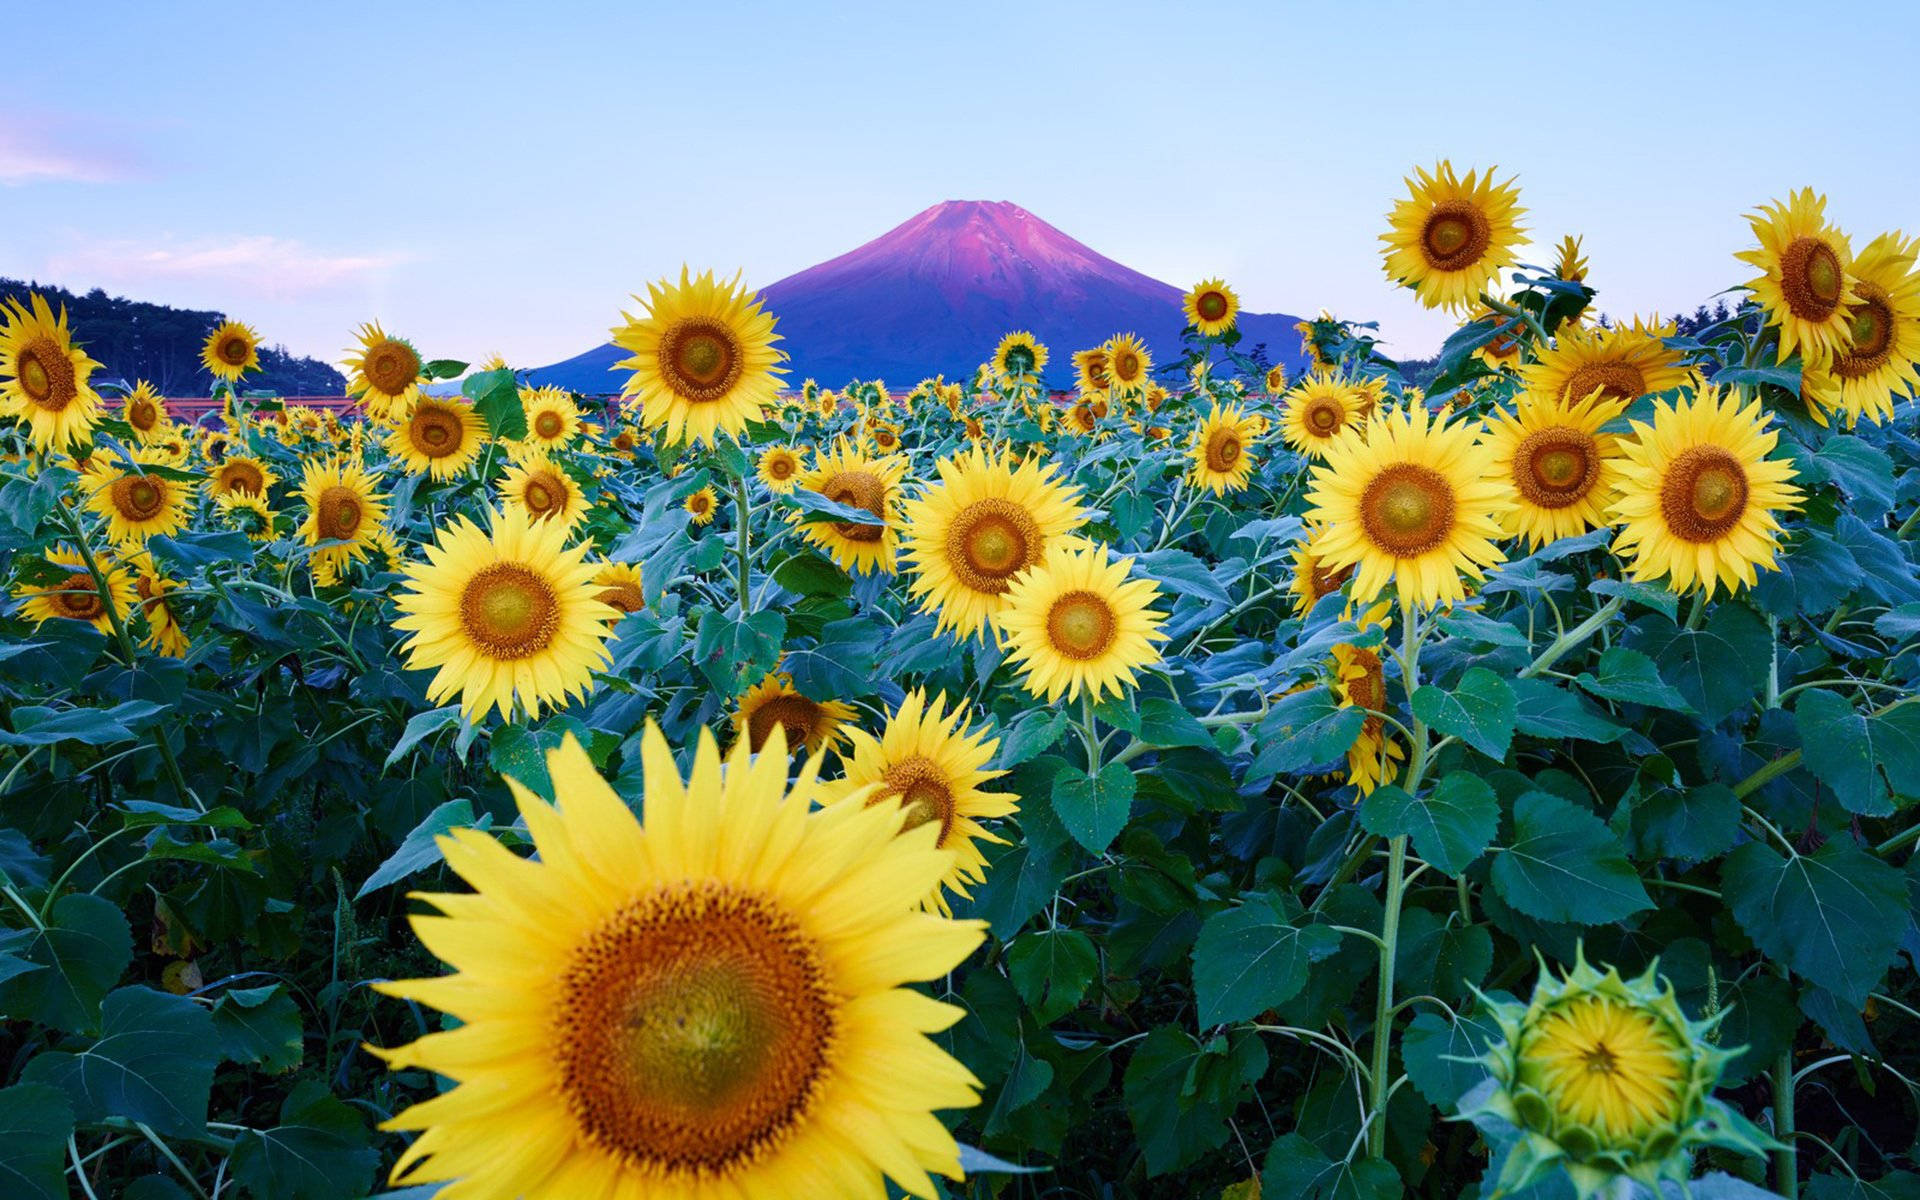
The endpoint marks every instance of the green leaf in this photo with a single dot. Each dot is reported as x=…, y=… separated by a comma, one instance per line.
x=260, y=1026
x=1895, y=1185
x=1450, y=826
x=419, y=849
x=35, y=1121
x=1862, y=471
x=443, y=368
x=1052, y=970
x=1297, y=1170
x=1166, y=722
x=1466, y=623
x=1179, y=572
x=148, y=814
x=808, y=574
x=1865, y=760
x=1033, y=734
x=1718, y=668
x=1252, y=957
x=1433, y=1048
x=153, y=1064
x=1670, y=820
x=1479, y=711
x=1565, y=865
x=83, y=950
x=1306, y=729
x=1548, y=710
x=1094, y=810
x=1180, y=1092
x=496, y=397
x=1630, y=677
x=1834, y=916
x=421, y=726
x=319, y=1151
x=34, y=725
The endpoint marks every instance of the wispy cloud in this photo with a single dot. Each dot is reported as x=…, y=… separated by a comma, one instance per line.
x=255, y=265
x=53, y=150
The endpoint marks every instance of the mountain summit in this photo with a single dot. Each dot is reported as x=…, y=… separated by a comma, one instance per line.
x=935, y=294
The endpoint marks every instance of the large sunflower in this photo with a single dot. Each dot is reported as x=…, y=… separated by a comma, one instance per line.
x=77, y=597
x=1883, y=329
x=542, y=490
x=1698, y=495
x=1219, y=451
x=928, y=762
x=1623, y=363
x=712, y=1005
x=1562, y=469
x=511, y=615
x=240, y=473
x=231, y=350
x=774, y=704
x=1806, y=280
x=342, y=507
x=703, y=358
x=1128, y=363
x=1018, y=358
x=136, y=503
x=1075, y=623
x=1407, y=500
x=780, y=467
x=847, y=476
x=386, y=373
x=145, y=412
x=1319, y=409
x=438, y=438
x=1211, y=307
x=43, y=375
x=988, y=519
x=1450, y=237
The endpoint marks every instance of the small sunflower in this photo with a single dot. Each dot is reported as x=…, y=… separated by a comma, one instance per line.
x=703, y=359
x=1075, y=623
x=1562, y=469
x=780, y=467
x=78, y=596
x=1319, y=409
x=146, y=413
x=847, y=476
x=1806, y=281
x=231, y=350
x=1211, y=307
x=1569, y=264
x=885, y=438
x=1883, y=329
x=510, y=615
x=164, y=633
x=241, y=473
x=438, y=438
x=933, y=767
x=1276, y=380
x=1018, y=358
x=386, y=374
x=342, y=507
x=1699, y=496
x=1127, y=365
x=138, y=504
x=619, y=585
x=702, y=505
x=248, y=513
x=807, y=726
x=1090, y=371
x=544, y=492
x=43, y=375
x=553, y=420
x=1623, y=363
x=1359, y=681
x=1451, y=237
x=1219, y=452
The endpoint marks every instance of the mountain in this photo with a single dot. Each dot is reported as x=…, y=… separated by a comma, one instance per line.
x=935, y=294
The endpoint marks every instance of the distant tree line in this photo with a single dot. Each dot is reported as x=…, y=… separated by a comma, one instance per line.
x=135, y=340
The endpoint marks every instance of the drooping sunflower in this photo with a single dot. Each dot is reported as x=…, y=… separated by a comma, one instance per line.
x=1623, y=363
x=847, y=476
x=231, y=350
x=1312, y=579
x=1450, y=238
x=1883, y=329
x=1699, y=496
x=702, y=505
x=929, y=763
x=342, y=506
x=1276, y=380
x=146, y=413
x=968, y=536
x=1127, y=365
x=1359, y=681
x=1211, y=307
x=885, y=438
x=780, y=467
x=1090, y=371
x=1219, y=451
x=248, y=513
x=807, y=725
x=77, y=597
x=1081, y=419
x=1018, y=358
x=507, y=615
x=1407, y=499
x=385, y=375
x=1075, y=623
x=136, y=503
x=553, y=420
x=438, y=438
x=1510, y=337
x=714, y=1004
x=542, y=490
x=619, y=585
x=1563, y=470
x=164, y=632
x=1806, y=281
x=241, y=473
x=703, y=358
x=1319, y=409
x=43, y=375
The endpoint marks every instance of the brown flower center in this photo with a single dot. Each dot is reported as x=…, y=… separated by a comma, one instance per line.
x=790, y=711
x=1870, y=328
x=990, y=542
x=1455, y=236
x=1081, y=625
x=1704, y=494
x=858, y=489
x=142, y=415
x=1211, y=305
x=1126, y=366
x=78, y=596
x=781, y=466
x=624, y=596
x=544, y=493
x=1324, y=416
x=46, y=375
x=1811, y=278
x=339, y=513
x=1613, y=380
x=1223, y=450
x=234, y=349
x=391, y=366
x=510, y=611
x=700, y=359
x=924, y=794
x=549, y=425
x=435, y=432
x=238, y=476
x=1407, y=510
x=138, y=497
x=1556, y=467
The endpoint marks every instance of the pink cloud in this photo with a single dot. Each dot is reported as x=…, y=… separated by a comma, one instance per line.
x=55, y=150
x=251, y=265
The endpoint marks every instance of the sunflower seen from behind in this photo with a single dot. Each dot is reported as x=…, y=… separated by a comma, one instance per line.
x=138, y=503
x=703, y=359
x=44, y=376
x=385, y=374
x=343, y=507
x=1077, y=625
x=1318, y=410
x=1699, y=499
x=852, y=478
x=1563, y=470
x=1450, y=238
x=248, y=512
x=1219, y=451
x=1018, y=359
x=542, y=490
x=440, y=437
x=77, y=596
x=774, y=705
x=230, y=351
x=1622, y=363
x=1883, y=330
x=1806, y=282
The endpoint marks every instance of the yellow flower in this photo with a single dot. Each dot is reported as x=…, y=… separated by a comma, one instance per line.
x=1276, y=380
x=439, y=437
x=1319, y=409
x=1090, y=370
x=1313, y=580
x=701, y=506
x=1359, y=682
x=542, y=490
x=1219, y=451
x=1451, y=236
x=1623, y=363
x=1127, y=363
x=146, y=412
x=553, y=420
x=164, y=633
x=780, y=467
x=43, y=376
x=1806, y=283
x=1562, y=470
x=77, y=597
x=847, y=476
x=1569, y=263
x=240, y=473
x=342, y=507
x=1883, y=330
x=247, y=512
x=775, y=705
x=1075, y=623
x=1018, y=358
x=138, y=504
x=619, y=585
x=703, y=358
x=386, y=374
x=231, y=350
x=1211, y=307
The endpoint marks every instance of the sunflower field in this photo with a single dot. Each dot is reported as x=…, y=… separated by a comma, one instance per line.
x=1498, y=780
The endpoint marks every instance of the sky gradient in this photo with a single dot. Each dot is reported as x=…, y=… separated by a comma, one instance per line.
x=488, y=177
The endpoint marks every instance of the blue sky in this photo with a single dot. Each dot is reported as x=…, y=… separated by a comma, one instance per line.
x=486, y=177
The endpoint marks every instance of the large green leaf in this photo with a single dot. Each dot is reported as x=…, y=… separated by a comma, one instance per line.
x=34, y=1123
x=1717, y=668
x=496, y=397
x=260, y=1025
x=421, y=849
x=1253, y=957
x=1450, y=825
x=1180, y=1092
x=1479, y=711
x=1052, y=969
x=1867, y=761
x=1630, y=676
x=1298, y=1170
x=1094, y=809
x=1565, y=865
x=1306, y=729
x=1439, y=1051
x=1834, y=916
x=1546, y=709
x=85, y=946
x=318, y=1151
x=153, y=1063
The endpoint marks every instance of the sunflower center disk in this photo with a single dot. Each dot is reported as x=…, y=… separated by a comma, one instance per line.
x=549, y=425
x=1407, y=510
x=242, y=477
x=140, y=415
x=624, y=596
x=992, y=541
x=1811, y=278
x=1211, y=306
x=701, y=359
x=1126, y=366
x=233, y=350
x=694, y=1029
x=435, y=433
x=138, y=497
x=1870, y=330
x=79, y=597
x=1704, y=494
x=1455, y=236
x=1223, y=451
x=510, y=611
x=1324, y=417
x=924, y=794
x=1613, y=380
x=543, y=494
x=858, y=489
x=340, y=512
x=795, y=714
x=1608, y=1068
x=1556, y=467
x=1081, y=625
x=46, y=375
x=392, y=367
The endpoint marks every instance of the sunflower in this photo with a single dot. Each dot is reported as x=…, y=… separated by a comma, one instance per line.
x=231, y=350
x=1806, y=281
x=1562, y=470
x=1319, y=409
x=1569, y=264
x=510, y=615
x=847, y=476
x=439, y=437
x=619, y=585
x=1509, y=340
x=43, y=375
x=701, y=506
x=774, y=704
x=1211, y=307
x=164, y=633
x=241, y=474
x=780, y=467
x=342, y=507
x=1407, y=499
x=703, y=358
x=1698, y=495
x=968, y=536
x=77, y=597
x=928, y=762
x=1081, y=419
x=247, y=512
x=975, y=431
x=1127, y=363
x=1623, y=363
x=712, y=1004
x=1312, y=579
x=1219, y=452
x=1276, y=379
x=885, y=438
x=553, y=420
x=1018, y=358
x=1883, y=334
x=1360, y=682
x=541, y=490
x=386, y=374
x=137, y=504
x=1075, y=623
x=1090, y=371
x=146, y=413
x=1451, y=236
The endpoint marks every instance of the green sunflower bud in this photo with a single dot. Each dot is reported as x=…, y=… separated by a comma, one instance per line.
x=1607, y=1079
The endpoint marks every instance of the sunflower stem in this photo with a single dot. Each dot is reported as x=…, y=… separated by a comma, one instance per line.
x=743, y=543
x=1786, y=1168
